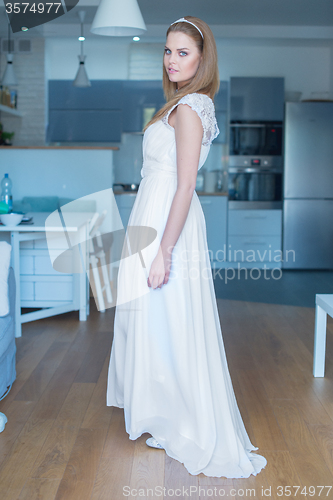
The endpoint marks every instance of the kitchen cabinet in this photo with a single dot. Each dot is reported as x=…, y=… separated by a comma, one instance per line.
x=92, y=114
x=140, y=99
x=256, y=99
x=102, y=112
x=255, y=237
x=139, y=96
x=103, y=94
x=221, y=101
x=215, y=209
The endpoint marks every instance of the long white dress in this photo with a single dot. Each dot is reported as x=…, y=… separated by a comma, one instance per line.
x=168, y=367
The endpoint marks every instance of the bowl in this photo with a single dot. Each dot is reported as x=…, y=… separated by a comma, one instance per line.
x=11, y=219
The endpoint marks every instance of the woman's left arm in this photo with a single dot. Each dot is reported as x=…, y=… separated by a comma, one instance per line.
x=188, y=133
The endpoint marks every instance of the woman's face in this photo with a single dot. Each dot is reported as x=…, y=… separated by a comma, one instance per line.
x=181, y=58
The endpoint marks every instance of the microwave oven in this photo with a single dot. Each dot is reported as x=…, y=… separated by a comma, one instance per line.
x=256, y=139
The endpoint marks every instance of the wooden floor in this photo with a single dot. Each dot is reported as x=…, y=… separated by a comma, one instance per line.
x=62, y=441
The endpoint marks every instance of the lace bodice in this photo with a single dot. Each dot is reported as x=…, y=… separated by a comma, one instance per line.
x=159, y=140
x=204, y=107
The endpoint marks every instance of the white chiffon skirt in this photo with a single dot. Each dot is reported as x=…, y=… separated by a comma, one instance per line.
x=168, y=367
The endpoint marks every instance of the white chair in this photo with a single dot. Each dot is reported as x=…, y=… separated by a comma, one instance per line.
x=97, y=254
x=324, y=306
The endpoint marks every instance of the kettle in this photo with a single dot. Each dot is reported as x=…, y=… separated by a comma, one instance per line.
x=211, y=181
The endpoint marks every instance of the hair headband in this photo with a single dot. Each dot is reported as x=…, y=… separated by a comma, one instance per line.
x=183, y=20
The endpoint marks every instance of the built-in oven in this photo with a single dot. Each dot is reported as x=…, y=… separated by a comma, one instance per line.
x=255, y=185
x=255, y=164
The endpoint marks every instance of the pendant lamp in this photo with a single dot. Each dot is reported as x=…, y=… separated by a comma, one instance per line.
x=118, y=18
x=81, y=79
x=9, y=78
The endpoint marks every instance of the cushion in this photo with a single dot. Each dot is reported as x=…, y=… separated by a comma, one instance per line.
x=80, y=205
x=5, y=250
x=40, y=203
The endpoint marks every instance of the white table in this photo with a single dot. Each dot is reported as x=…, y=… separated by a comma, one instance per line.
x=76, y=222
x=324, y=306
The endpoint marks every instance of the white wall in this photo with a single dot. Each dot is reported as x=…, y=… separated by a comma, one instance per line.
x=107, y=58
x=67, y=173
x=305, y=68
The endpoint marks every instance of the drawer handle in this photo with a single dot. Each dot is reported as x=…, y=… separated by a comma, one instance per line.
x=206, y=202
x=255, y=243
x=255, y=217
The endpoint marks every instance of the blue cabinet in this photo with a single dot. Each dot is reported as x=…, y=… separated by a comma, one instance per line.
x=140, y=99
x=221, y=101
x=103, y=94
x=102, y=112
x=256, y=98
x=92, y=114
x=215, y=209
x=84, y=125
x=255, y=237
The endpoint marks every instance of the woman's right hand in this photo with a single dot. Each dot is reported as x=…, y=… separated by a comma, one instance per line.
x=160, y=269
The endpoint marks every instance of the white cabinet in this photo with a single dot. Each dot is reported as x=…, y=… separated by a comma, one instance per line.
x=41, y=284
x=215, y=209
x=255, y=237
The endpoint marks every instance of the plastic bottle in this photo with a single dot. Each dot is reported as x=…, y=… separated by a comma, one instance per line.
x=6, y=192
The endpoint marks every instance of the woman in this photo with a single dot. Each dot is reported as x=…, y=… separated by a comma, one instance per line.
x=168, y=368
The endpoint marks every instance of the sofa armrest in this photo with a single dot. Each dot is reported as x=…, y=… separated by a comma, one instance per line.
x=11, y=292
x=7, y=339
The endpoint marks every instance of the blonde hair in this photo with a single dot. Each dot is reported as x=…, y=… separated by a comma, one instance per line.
x=206, y=80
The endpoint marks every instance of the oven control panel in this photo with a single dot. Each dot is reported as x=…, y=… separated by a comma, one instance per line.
x=259, y=161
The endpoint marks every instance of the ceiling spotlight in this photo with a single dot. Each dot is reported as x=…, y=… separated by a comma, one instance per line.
x=24, y=28
x=136, y=38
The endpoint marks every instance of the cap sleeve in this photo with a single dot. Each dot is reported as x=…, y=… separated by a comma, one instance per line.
x=204, y=107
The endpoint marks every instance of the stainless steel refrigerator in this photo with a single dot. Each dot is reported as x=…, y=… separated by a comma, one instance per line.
x=308, y=186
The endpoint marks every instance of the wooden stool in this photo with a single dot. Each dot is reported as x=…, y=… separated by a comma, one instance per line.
x=324, y=306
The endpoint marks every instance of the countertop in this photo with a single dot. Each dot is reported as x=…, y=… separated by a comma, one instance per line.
x=199, y=193
x=73, y=220
x=216, y=193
